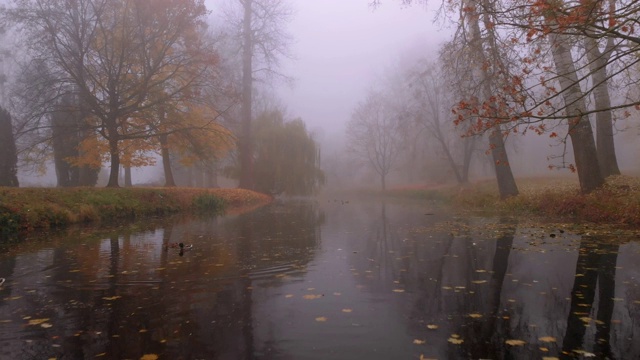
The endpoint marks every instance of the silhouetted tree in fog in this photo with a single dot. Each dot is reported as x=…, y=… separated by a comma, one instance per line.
x=8, y=153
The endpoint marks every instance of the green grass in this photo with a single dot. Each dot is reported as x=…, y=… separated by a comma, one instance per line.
x=34, y=208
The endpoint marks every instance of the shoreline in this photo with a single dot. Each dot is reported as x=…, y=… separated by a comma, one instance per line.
x=27, y=209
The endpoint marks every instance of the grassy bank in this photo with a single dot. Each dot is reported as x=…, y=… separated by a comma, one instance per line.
x=617, y=202
x=36, y=208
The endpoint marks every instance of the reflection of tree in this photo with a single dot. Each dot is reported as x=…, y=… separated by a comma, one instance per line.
x=485, y=338
x=596, y=266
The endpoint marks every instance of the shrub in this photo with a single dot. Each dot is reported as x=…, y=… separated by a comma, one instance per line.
x=208, y=203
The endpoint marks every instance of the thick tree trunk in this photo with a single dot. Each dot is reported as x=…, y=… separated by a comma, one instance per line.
x=604, y=124
x=506, y=182
x=115, y=163
x=245, y=141
x=169, y=180
x=504, y=176
x=584, y=147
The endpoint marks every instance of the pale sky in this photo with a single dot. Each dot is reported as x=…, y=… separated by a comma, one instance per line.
x=340, y=47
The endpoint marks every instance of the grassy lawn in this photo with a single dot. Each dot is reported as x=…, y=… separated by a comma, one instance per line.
x=617, y=202
x=32, y=208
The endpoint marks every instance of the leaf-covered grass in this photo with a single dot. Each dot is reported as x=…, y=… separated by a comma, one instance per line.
x=617, y=202
x=31, y=208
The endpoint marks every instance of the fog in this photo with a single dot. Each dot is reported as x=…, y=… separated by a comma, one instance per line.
x=338, y=53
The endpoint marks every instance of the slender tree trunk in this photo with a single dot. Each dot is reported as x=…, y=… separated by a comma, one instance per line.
x=604, y=124
x=127, y=177
x=584, y=147
x=245, y=141
x=383, y=182
x=504, y=176
x=8, y=153
x=169, y=180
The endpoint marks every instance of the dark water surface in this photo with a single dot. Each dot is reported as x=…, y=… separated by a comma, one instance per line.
x=323, y=280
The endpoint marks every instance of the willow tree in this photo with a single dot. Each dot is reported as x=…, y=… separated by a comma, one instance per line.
x=287, y=157
x=113, y=54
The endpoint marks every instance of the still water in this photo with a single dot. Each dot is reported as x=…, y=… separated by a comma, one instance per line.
x=323, y=280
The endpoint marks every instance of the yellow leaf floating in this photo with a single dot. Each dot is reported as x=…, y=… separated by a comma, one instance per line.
x=346, y=310
x=311, y=297
x=46, y=325
x=515, y=342
x=321, y=319
x=475, y=316
x=288, y=296
x=398, y=290
x=418, y=342
x=455, y=341
x=550, y=358
x=479, y=281
x=547, y=339
x=149, y=357
x=432, y=327
x=37, y=321
x=111, y=298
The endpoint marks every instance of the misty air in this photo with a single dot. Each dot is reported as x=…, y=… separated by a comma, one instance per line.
x=293, y=179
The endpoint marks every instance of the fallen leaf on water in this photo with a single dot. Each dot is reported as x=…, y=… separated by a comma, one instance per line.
x=321, y=319
x=418, y=342
x=455, y=341
x=547, y=339
x=543, y=349
x=422, y=357
x=432, y=327
x=311, y=297
x=46, y=325
x=550, y=358
x=515, y=342
x=481, y=271
x=586, y=319
x=398, y=290
x=110, y=298
x=337, y=293
x=37, y=321
x=149, y=357
x=101, y=354
x=479, y=281
x=447, y=287
x=288, y=296
x=346, y=310
x=475, y=316
x=584, y=353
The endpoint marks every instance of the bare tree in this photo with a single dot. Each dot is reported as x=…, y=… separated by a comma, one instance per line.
x=264, y=42
x=375, y=135
x=8, y=155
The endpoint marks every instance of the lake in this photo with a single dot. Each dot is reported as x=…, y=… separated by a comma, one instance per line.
x=323, y=279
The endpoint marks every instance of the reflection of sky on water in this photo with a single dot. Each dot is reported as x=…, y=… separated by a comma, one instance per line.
x=322, y=280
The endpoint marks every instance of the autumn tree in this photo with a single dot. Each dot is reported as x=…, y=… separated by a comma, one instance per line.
x=8, y=153
x=112, y=54
x=375, y=135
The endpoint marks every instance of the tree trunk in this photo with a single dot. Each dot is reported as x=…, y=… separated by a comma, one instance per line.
x=504, y=176
x=383, y=182
x=169, y=180
x=127, y=177
x=604, y=124
x=115, y=162
x=245, y=141
x=506, y=182
x=584, y=147
x=8, y=153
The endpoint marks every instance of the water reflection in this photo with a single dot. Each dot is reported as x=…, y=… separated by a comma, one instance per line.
x=307, y=280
